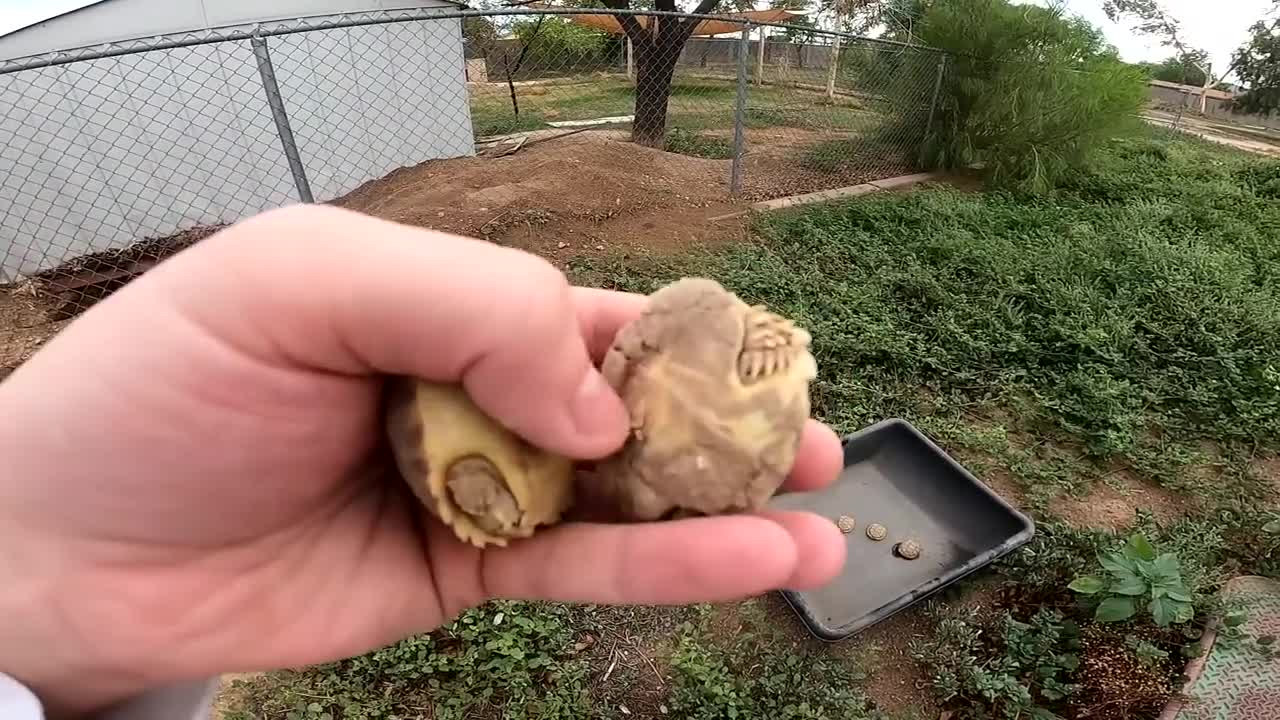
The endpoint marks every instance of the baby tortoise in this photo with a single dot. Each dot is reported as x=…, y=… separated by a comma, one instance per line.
x=907, y=549
x=480, y=479
x=718, y=395
x=877, y=532
x=846, y=524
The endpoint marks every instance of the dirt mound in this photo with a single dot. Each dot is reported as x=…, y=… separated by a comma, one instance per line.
x=591, y=191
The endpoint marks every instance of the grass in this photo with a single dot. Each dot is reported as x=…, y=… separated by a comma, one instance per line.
x=756, y=673
x=1127, y=325
x=696, y=103
x=518, y=661
x=514, y=660
x=1130, y=319
x=696, y=144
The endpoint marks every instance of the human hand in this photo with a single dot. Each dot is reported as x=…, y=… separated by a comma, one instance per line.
x=194, y=480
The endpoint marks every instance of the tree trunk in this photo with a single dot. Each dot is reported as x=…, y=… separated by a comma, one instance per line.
x=653, y=88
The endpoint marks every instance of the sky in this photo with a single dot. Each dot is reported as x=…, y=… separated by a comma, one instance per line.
x=1219, y=26
x=16, y=14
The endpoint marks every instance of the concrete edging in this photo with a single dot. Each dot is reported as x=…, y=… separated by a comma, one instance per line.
x=821, y=196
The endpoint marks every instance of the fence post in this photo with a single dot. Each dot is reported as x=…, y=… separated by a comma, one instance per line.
x=834, y=64
x=740, y=111
x=937, y=90
x=268, y=73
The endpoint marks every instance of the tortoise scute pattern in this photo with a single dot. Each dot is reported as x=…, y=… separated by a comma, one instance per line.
x=718, y=395
x=475, y=476
x=908, y=549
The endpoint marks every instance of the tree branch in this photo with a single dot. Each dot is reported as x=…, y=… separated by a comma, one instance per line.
x=688, y=25
x=630, y=25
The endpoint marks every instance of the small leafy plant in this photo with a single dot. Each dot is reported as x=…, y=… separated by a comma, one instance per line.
x=1138, y=576
x=1147, y=652
x=1011, y=669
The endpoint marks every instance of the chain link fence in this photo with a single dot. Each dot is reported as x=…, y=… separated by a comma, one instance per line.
x=113, y=157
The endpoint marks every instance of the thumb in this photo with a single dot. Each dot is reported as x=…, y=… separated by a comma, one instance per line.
x=326, y=289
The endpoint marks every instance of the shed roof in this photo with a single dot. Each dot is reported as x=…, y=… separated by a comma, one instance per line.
x=14, y=20
x=1191, y=89
x=27, y=14
x=610, y=24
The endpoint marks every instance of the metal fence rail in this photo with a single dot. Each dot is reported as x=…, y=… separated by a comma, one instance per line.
x=113, y=156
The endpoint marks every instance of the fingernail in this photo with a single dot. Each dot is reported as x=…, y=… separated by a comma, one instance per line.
x=597, y=410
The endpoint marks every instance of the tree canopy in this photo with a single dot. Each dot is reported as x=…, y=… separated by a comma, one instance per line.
x=1184, y=70
x=1258, y=67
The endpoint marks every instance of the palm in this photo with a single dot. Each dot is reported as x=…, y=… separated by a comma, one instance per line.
x=214, y=495
x=287, y=560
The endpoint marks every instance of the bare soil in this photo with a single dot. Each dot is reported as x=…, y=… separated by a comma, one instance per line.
x=629, y=654
x=25, y=325
x=1268, y=468
x=1110, y=505
x=561, y=196
x=1116, y=685
x=1261, y=143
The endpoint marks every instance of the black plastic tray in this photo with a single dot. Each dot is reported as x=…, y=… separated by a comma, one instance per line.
x=897, y=477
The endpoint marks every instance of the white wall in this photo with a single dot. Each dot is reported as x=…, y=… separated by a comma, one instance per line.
x=364, y=101
x=115, y=20
x=99, y=154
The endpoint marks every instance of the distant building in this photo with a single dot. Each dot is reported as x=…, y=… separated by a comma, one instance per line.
x=1175, y=92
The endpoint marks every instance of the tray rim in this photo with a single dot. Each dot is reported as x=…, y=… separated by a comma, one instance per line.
x=829, y=634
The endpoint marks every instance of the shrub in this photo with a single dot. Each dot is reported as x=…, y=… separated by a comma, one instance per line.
x=557, y=46
x=1028, y=91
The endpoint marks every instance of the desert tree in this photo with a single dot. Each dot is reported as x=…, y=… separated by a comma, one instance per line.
x=1185, y=70
x=1153, y=19
x=1257, y=65
x=657, y=42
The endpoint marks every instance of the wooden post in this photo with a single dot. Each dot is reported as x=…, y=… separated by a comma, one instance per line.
x=760, y=59
x=631, y=69
x=1204, y=91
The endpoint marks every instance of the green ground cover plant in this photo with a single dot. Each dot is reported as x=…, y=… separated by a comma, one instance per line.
x=1126, y=324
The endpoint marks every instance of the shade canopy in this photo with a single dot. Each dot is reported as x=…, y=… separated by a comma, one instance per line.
x=610, y=24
